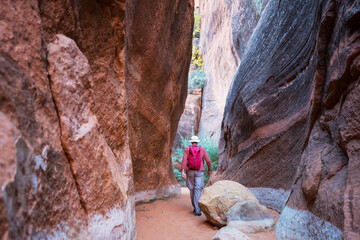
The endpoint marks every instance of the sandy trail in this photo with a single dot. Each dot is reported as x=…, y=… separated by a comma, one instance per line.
x=173, y=219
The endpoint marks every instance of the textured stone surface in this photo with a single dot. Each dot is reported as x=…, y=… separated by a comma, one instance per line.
x=250, y=217
x=217, y=200
x=45, y=196
x=349, y=128
x=64, y=117
x=226, y=27
x=230, y=233
x=271, y=198
x=8, y=135
x=98, y=29
x=43, y=192
x=300, y=224
x=157, y=65
x=290, y=120
x=103, y=180
x=189, y=121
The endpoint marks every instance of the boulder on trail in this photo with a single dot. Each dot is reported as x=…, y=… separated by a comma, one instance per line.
x=230, y=233
x=230, y=203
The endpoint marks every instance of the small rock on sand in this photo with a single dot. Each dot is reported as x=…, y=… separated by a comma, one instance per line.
x=230, y=233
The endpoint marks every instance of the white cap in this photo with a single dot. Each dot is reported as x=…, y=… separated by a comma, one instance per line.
x=194, y=139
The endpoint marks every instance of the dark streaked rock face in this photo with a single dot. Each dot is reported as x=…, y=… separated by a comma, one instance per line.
x=291, y=120
x=158, y=54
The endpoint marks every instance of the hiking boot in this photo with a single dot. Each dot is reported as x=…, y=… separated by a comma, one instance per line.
x=198, y=214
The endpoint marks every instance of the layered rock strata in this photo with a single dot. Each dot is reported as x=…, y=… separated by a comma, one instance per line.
x=66, y=166
x=157, y=65
x=291, y=122
x=226, y=27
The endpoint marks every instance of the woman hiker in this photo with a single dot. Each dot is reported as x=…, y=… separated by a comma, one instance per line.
x=193, y=171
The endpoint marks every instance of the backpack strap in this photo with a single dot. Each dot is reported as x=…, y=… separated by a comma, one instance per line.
x=192, y=146
x=188, y=148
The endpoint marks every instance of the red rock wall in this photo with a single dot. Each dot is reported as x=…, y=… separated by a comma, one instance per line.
x=157, y=65
x=66, y=166
x=43, y=191
x=291, y=125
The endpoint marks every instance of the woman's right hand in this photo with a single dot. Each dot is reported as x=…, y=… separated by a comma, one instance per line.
x=183, y=174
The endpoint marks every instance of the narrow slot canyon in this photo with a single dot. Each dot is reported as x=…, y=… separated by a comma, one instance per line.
x=99, y=100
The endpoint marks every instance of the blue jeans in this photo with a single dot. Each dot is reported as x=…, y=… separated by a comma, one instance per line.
x=195, y=183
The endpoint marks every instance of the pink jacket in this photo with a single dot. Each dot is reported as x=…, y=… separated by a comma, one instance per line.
x=203, y=155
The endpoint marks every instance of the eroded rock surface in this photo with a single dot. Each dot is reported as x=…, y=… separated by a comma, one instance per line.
x=67, y=172
x=157, y=65
x=43, y=193
x=290, y=124
x=230, y=233
x=250, y=217
x=8, y=135
x=226, y=27
x=98, y=172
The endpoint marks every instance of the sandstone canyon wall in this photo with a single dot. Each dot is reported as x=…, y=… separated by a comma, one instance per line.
x=66, y=156
x=226, y=27
x=157, y=65
x=291, y=126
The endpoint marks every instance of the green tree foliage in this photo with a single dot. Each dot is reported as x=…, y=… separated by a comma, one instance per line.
x=197, y=76
x=196, y=59
x=196, y=32
x=197, y=79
